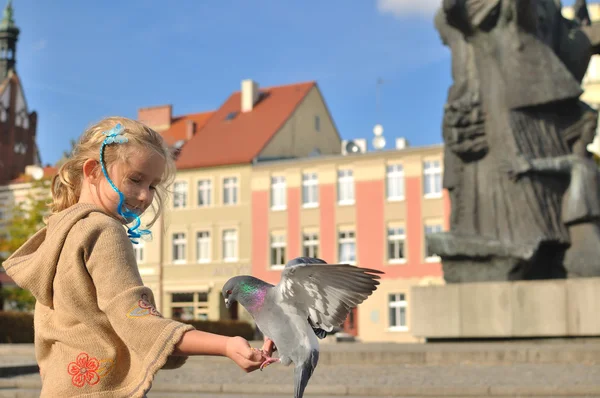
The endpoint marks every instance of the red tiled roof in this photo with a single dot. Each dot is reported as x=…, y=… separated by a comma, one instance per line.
x=49, y=172
x=241, y=139
x=178, y=129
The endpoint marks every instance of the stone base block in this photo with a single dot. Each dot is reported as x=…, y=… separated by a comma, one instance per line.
x=520, y=309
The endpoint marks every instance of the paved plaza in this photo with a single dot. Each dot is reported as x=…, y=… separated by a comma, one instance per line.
x=574, y=372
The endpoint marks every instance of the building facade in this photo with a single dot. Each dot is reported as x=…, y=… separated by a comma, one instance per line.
x=372, y=210
x=18, y=125
x=205, y=237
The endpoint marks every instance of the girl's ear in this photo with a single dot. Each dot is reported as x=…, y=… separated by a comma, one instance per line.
x=91, y=169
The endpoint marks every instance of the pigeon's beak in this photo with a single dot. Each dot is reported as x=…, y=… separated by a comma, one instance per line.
x=227, y=303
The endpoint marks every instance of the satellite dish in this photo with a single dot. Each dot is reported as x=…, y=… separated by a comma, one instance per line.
x=179, y=144
x=351, y=147
x=378, y=142
x=378, y=130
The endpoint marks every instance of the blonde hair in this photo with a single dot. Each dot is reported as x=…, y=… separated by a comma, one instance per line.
x=66, y=184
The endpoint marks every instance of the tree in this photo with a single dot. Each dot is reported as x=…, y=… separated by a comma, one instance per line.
x=25, y=218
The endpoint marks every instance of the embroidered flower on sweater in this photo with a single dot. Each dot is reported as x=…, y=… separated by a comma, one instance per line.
x=84, y=370
x=143, y=308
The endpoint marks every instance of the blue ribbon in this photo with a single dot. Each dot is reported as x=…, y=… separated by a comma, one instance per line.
x=114, y=136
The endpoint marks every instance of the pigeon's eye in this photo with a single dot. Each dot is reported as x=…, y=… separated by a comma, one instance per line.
x=228, y=292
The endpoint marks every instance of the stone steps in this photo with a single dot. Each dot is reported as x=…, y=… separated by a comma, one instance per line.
x=277, y=391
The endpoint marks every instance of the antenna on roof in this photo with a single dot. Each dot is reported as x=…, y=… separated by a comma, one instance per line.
x=379, y=139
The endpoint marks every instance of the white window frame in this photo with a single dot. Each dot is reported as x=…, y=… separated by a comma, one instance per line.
x=230, y=184
x=179, y=239
x=200, y=241
x=310, y=190
x=395, y=179
x=278, y=193
x=199, y=307
x=396, y=234
x=399, y=305
x=432, y=228
x=278, y=248
x=345, y=187
x=230, y=236
x=204, y=191
x=310, y=244
x=138, y=249
x=432, y=179
x=180, y=194
x=346, y=236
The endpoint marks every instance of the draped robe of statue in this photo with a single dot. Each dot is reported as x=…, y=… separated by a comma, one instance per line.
x=522, y=83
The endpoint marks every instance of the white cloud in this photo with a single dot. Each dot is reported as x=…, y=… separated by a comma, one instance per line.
x=399, y=8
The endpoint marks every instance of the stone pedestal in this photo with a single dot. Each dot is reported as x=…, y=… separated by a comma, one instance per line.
x=549, y=308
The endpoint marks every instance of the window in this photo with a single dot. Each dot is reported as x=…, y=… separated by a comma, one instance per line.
x=317, y=123
x=278, y=193
x=432, y=179
x=230, y=245
x=139, y=252
x=230, y=191
x=203, y=246
x=345, y=187
x=277, y=250
x=204, y=193
x=347, y=247
x=189, y=306
x=180, y=194
x=397, y=306
x=396, y=238
x=395, y=182
x=431, y=229
x=310, y=245
x=179, y=247
x=310, y=190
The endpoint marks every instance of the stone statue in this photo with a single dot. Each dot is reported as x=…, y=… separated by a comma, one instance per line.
x=581, y=202
x=517, y=67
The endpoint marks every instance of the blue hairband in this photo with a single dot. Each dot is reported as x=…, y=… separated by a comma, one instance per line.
x=114, y=136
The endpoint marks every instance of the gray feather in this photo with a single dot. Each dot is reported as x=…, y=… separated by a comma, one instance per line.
x=303, y=372
x=327, y=292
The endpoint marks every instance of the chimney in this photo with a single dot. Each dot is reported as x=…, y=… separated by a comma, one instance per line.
x=190, y=129
x=249, y=94
x=156, y=117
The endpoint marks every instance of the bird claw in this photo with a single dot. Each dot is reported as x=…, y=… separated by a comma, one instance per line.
x=267, y=362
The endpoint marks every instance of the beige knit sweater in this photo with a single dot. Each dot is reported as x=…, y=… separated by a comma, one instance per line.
x=97, y=331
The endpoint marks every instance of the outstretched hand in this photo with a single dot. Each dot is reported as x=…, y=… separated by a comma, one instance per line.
x=515, y=168
x=239, y=351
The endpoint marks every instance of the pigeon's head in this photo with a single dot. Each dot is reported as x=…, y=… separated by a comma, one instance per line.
x=244, y=289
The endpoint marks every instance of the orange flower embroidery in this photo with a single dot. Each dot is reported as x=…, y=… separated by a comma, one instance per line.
x=143, y=308
x=84, y=370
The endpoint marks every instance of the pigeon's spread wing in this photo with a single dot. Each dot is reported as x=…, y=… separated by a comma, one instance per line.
x=327, y=292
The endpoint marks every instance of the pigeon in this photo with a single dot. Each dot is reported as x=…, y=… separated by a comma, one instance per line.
x=311, y=300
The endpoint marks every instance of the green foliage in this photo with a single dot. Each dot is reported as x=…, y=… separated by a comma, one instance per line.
x=25, y=219
x=17, y=298
x=16, y=327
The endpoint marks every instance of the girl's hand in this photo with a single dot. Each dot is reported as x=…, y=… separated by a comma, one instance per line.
x=268, y=347
x=239, y=351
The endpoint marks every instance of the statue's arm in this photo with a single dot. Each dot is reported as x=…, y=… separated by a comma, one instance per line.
x=554, y=165
x=593, y=34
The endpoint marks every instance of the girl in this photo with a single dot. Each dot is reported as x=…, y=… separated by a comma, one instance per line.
x=97, y=331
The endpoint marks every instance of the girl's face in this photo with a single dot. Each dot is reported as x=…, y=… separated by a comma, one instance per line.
x=137, y=178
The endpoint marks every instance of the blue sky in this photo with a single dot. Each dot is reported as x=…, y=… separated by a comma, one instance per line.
x=80, y=60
